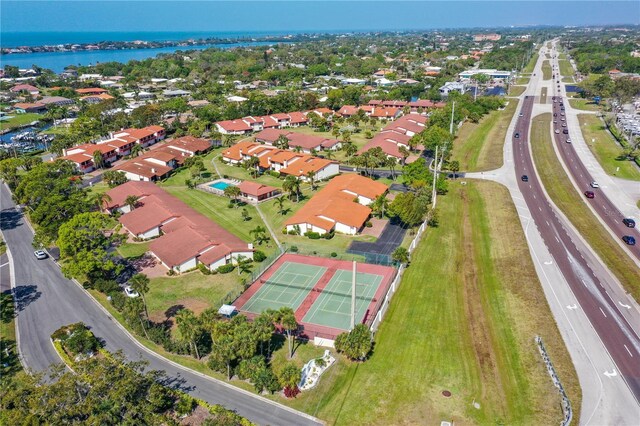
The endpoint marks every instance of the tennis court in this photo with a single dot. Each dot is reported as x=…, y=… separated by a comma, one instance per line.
x=318, y=290
x=333, y=307
x=288, y=286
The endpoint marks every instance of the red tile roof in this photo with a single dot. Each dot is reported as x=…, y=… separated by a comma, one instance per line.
x=255, y=189
x=91, y=90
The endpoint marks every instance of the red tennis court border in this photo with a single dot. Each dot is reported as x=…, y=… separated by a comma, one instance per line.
x=309, y=330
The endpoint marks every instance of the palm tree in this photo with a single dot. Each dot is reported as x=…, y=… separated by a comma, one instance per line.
x=350, y=149
x=102, y=200
x=380, y=204
x=311, y=175
x=292, y=186
x=282, y=142
x=98, y=159
x=405, y=153
x=136, y=150
x=287, y=319
x=391, y=163
x=259, y=234
x=140, y=283
x=280, y=203
x=131, y=201
x=329, y=154
x=232, y=191
x=252, y=164
x=189, y=327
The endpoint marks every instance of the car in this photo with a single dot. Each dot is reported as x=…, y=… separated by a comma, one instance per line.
x=562, y=119
x=525, y=178
x=629, y=240
x=521, y=115
x=517, y=135
x=564, y=124
x=534, y=74
x=568, y=140
x=562, y=113
x=40, y=254
x=629, y=223
x=557, y=131
x=130, y=292
x=565, y=131
x=594, y=184
x=555, y=121
x=555, y=114
x=589, y=194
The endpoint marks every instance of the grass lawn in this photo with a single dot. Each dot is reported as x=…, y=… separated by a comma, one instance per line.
x=463, y=322
x=133, y=250
x=18, y=120
x=193, y=290
x=516, y=90
x=606, y=149
x=532, y=63
x=566, y=70
x=479, y=146
x=584, y=104
x=523, y=80
x=546, y=70
x=571, y=202
x=543, y=95
x=178, y=178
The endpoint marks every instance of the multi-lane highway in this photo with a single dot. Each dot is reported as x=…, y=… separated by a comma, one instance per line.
x=620, y=339
x=46, y=300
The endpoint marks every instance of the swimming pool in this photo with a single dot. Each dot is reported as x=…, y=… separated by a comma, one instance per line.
x=221, y=185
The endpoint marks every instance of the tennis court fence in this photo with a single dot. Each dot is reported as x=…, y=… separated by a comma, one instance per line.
x=317, y=250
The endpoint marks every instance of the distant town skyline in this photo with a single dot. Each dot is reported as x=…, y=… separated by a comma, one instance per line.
x=313, y=16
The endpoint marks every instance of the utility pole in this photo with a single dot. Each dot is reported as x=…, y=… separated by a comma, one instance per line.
x=435, y=178
x=353, y=297
x=453, y=108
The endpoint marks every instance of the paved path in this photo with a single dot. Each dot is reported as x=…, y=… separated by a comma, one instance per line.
x=606, y=398
x=45, y=300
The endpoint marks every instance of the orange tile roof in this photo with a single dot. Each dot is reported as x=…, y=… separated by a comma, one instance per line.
x=144, y=168
x=256, y=189
x=335, y=203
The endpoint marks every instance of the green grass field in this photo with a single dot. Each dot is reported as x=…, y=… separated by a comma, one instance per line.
x=546, y=70
x=532, y=63
x=571, y=202
x=516, y=90
x=462, y=320
x=523, y=80
x=133, y=250
x=584, y=104
x=606, y=149
x=543, y=95
x=18, y=120
x=478, y=147
x=566, y=70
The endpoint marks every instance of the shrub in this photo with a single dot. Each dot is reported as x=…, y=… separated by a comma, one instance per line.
x=293, y=249
x=274, y=173
x=291, y=393
x=259, y=256
x=334, y=254
x=225, y=269
x=158, y=335
x=106, y=286
x=82, y=341
x=118, y=299
x=202, y=268
x=171, y=272
x=312, y=235
x=293, y=232
x=248, y=368
x=185, y=405
x=329, y=235
x=368, y=224
x=225, y=176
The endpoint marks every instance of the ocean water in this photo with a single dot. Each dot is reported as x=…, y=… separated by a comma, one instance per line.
x=15, y=39
x=57, y=61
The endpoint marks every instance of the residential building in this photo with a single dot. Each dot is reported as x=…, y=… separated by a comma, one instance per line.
x=255, y=192
x=182, y=237
x=306, y=143
x=91, y=91
x=340, y=206
x=25, y=88
x=487, y=37
x=56, y=100
x=452, y=86
x=24, y=107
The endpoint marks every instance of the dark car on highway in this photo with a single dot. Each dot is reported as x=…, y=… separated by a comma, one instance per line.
x=629, y=223
x=565, y=131
x=589, y=194
x=629, y=240
x=525, y=178
x=517, y=135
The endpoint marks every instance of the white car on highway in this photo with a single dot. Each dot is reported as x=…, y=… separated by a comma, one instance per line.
x=594, y=184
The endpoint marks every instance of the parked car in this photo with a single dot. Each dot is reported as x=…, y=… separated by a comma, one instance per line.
x=517, y=135
x=40, y=254
x=594, y=184
x=629, y=223
x=525, y=178
x=130, y=292
x=568, y=140
x=629, y=240
x=557, y=131
x=589, y=194
x=565, y=131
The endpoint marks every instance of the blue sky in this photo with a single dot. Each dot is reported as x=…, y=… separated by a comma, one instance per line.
x=303, y=15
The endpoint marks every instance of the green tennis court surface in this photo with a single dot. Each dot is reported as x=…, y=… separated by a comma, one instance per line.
x=333, y=307
x=288, y=286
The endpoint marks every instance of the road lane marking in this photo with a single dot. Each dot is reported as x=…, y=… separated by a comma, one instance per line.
x=4, y=264
x=605, y=315
x=624, y=306
x=612, y=374
x=630, y=354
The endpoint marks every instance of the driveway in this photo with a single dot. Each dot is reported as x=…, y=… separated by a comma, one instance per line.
x=390, y=238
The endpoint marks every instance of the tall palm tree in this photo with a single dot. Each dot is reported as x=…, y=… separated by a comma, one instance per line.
x=282, y=142
x=131, y=201
x=292, y=186
x=280, y=203
x=140, y=283
x=233, y=192
x=259, y=234
x=136, y=150
x=102, y=200
x=253, y=164
x=98, y=159
x=189, y=327
x=311, y=175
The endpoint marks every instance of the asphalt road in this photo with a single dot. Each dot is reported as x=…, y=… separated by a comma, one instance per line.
x=619, y=338
x=46, y=300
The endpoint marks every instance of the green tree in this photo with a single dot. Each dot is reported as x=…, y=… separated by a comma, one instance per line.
x=311, y=175
x=133, y=312
x=131, y=201
x=233, y=192
x=282, y=142
x=454, y=166
x=380, y=205
x=114, y=178
x=400, y=255
x=280, y=203
x=189, y=328
x=253, y=165
x=140, y=284
x=101, y=200
x=355, y=344
x=292, y=186
x=289, y=376
x=288, y=322
x=98, y=159
x=259, y=234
